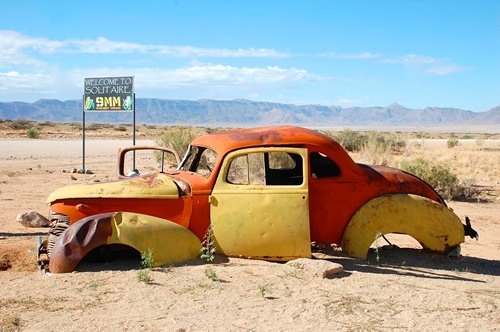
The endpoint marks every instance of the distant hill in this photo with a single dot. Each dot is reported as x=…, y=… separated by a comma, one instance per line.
x=242, y=112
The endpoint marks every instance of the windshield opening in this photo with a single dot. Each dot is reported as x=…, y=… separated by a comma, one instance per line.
x=200, y=160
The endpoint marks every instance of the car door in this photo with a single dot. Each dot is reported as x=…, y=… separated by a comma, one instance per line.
x=259, y=205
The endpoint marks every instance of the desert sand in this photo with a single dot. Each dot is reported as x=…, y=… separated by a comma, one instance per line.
x=409, y=289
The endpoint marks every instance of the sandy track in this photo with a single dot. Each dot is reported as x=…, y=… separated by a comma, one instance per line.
x=46, y=148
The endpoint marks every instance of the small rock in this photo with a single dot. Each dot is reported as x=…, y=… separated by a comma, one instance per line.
x=73, y=178
x=97, y=180
x=316, y=267
x=5, y=265
x=74, y=170
x=32, y=219
x=88, y=171
x=63, y=171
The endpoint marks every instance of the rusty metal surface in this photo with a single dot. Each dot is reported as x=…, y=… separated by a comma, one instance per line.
x=433, y=225
x=78, y=240
x=154, y=185
x=169, y=242
x=123, y=151
x=225, y=141
x=331, y=201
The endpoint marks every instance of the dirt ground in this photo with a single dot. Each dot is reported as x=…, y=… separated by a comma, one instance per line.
x=409, y=289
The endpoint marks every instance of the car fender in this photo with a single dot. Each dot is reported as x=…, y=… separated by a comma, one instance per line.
x=432, y=224
x=169, y=242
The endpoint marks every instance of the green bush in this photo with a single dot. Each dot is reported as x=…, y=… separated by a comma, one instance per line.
x=452, y=142
x=396, y=144
x=177, y=138
x=32, y=132
x=147, y=262
x=210, y=273
x=390, y=143
x=437, y=175
x=351, y=140
x=208, y=246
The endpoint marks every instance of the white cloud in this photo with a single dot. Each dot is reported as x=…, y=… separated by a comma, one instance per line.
x=203, y=74
x=14, y=80
x=431, y=65
x=9, y=58
x=413, y=59
x=12, y=40
x=353, y=56
x=445, y=69
x=19, y=43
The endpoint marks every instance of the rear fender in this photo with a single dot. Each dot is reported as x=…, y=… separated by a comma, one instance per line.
x=432, y=224
x=169, y=242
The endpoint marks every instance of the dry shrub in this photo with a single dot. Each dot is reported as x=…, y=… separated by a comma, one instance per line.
x=452, y=142
x=374, y=153
x=11, y=323
x=93, y=126
x=177, y=138
x=20, y=124
x=351, y=140
x=120, y=128
x=437, y=175
x=380, y=148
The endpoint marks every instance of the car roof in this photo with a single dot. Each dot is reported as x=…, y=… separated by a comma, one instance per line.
x=225, y=141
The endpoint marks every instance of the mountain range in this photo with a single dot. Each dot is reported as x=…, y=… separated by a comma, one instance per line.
x=241, y=112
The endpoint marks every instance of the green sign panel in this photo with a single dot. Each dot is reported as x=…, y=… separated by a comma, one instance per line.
x=109, y=94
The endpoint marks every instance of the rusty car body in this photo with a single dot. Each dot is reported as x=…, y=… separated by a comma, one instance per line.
x=264, y=193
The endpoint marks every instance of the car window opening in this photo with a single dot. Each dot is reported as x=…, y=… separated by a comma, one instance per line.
x=267, y=168
x=322, y=166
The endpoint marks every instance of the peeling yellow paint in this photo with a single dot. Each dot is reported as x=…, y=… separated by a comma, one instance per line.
x=258, y=221
x=169, y=242
x=433, y=225
x=149, y=186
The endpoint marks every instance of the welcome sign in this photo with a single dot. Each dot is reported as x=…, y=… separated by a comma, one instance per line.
x=109, y=94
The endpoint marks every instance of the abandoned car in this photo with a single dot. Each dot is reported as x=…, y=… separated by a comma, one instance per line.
x=261, y=193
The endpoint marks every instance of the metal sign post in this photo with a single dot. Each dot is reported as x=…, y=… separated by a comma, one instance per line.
x=83, y=135
x=133, y=136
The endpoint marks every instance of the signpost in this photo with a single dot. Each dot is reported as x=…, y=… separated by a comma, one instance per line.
x=108, y=94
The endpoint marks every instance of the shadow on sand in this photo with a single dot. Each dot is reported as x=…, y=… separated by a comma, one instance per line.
x=415, y=262
x=391, y=260
x=132, y=261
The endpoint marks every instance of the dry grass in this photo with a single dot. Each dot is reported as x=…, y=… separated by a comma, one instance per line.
x=474, y=159
x=11, y=323
x=473, y=163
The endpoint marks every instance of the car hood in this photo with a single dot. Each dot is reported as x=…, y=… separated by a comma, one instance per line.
x=155, y=185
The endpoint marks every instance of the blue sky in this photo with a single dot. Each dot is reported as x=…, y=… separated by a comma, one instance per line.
x=346, y=53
